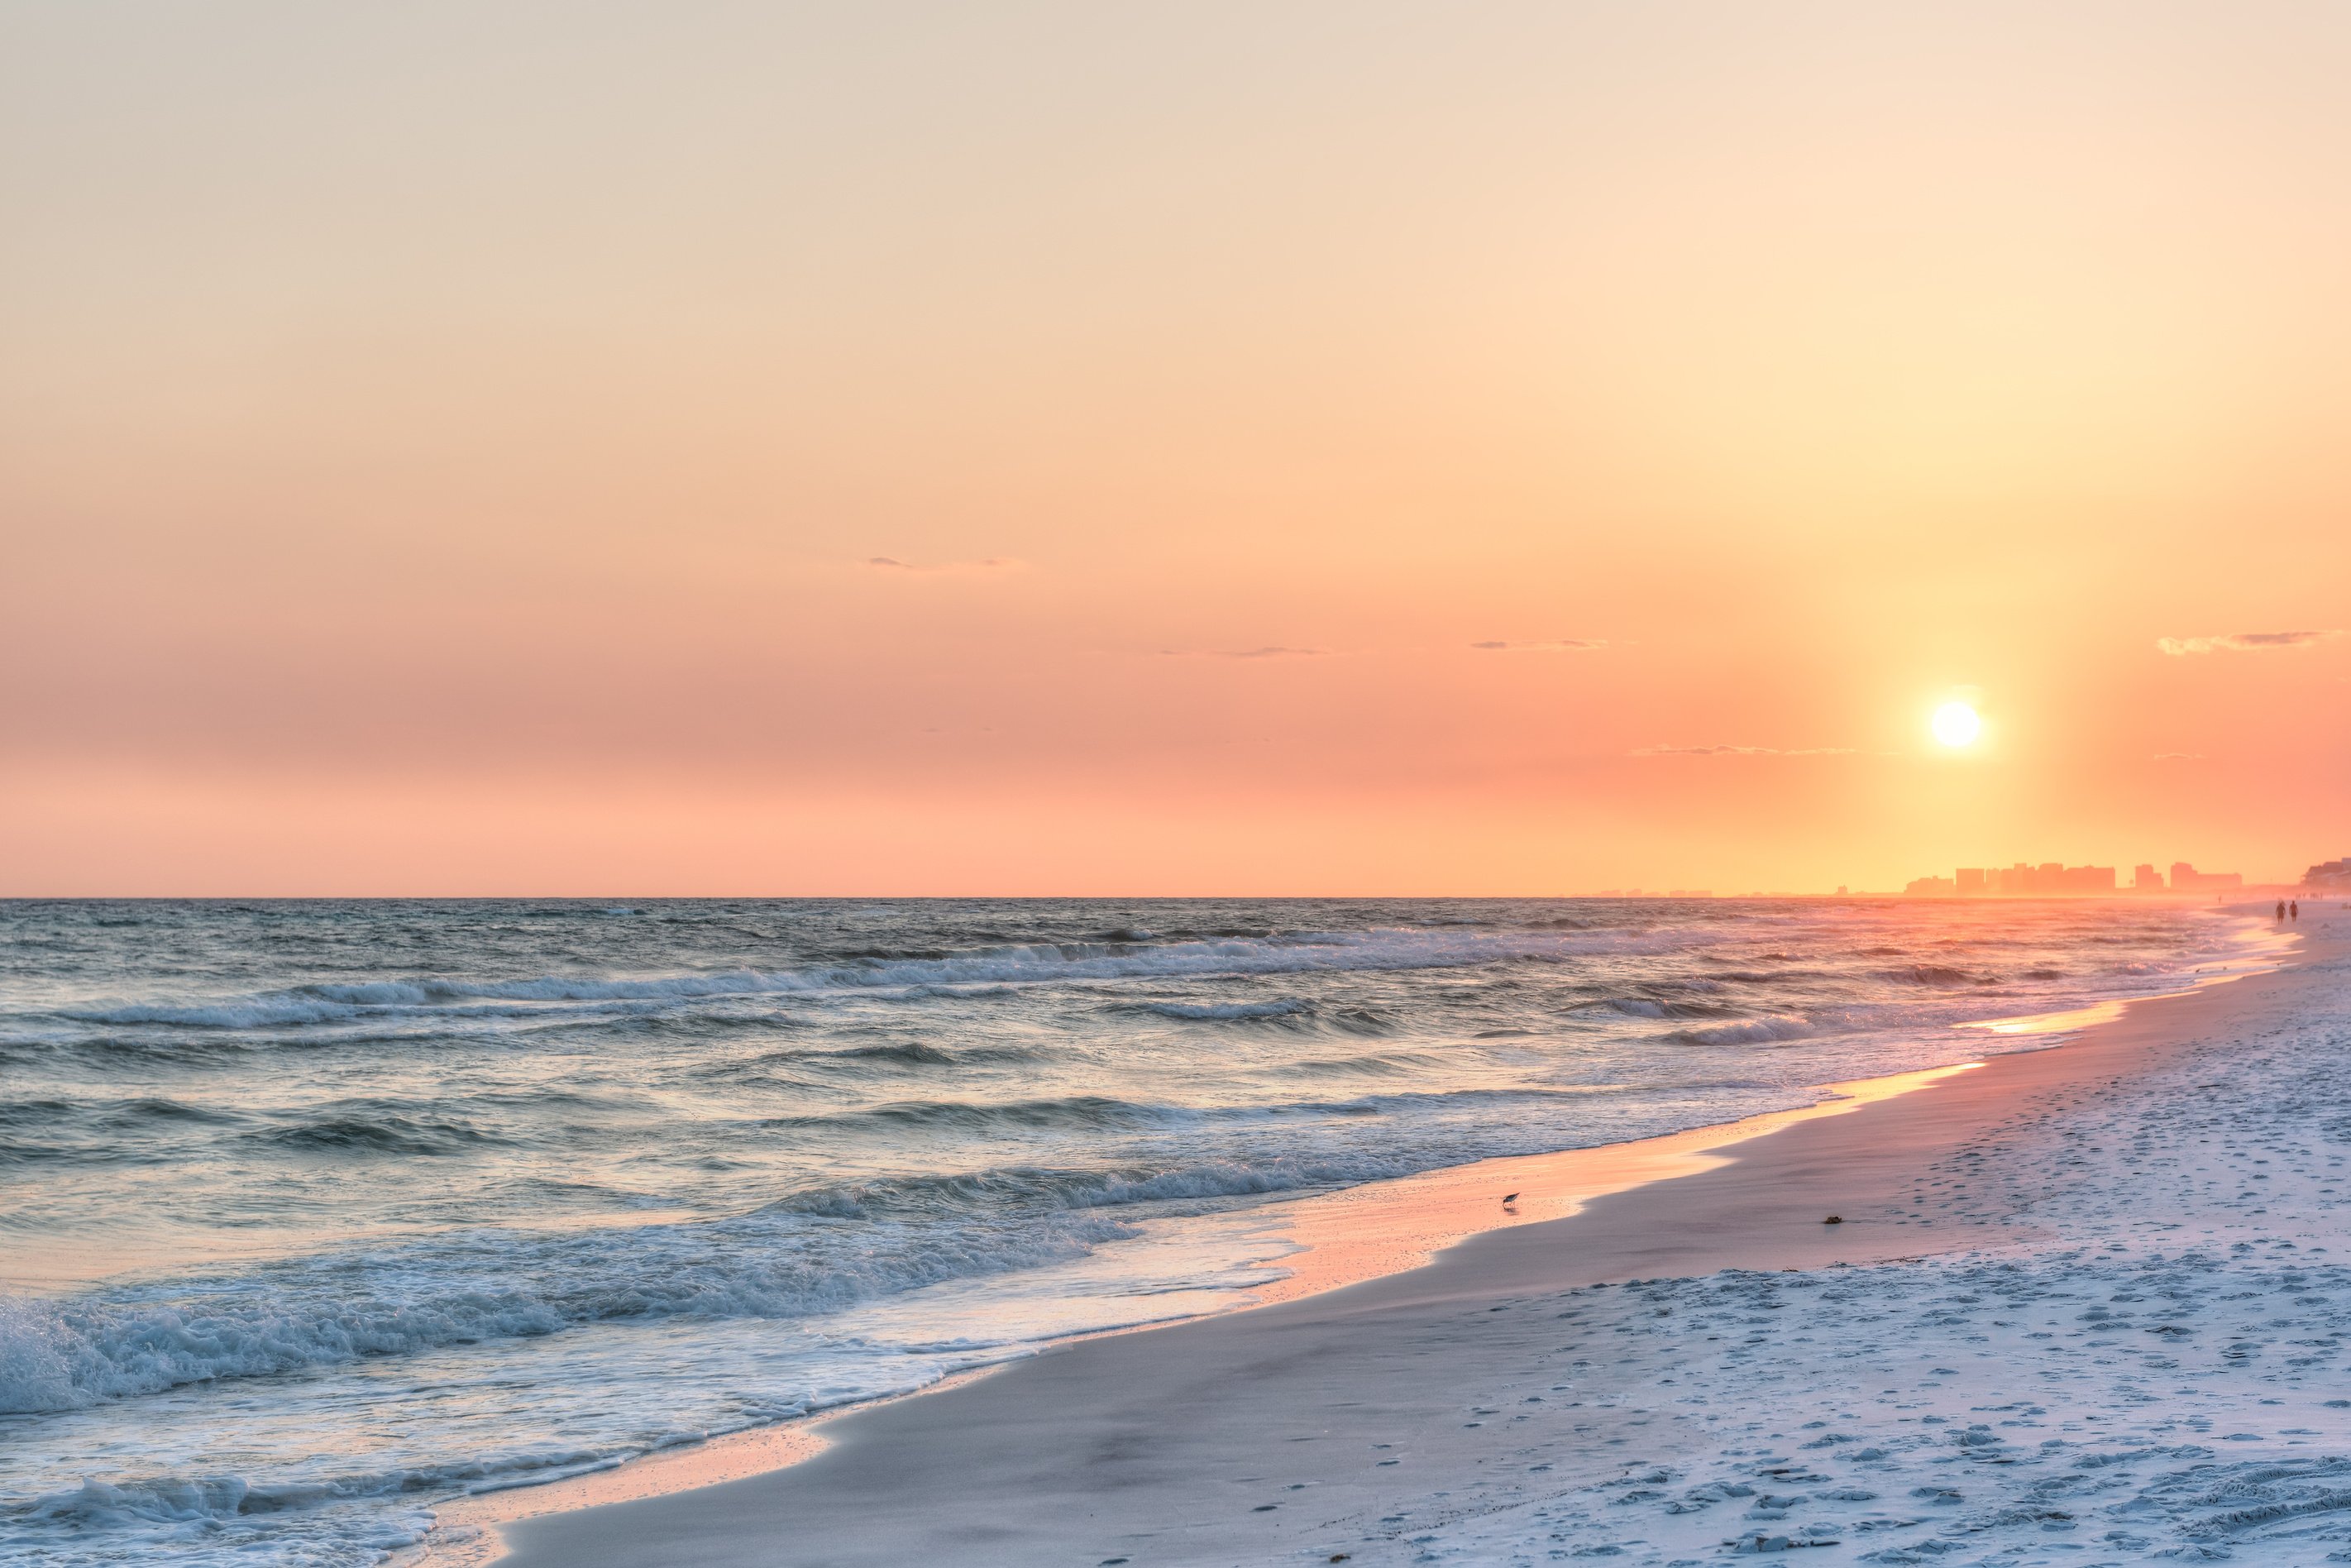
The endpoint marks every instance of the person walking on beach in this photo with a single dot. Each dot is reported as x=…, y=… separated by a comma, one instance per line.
x=2293, y=909
x=2281, y=909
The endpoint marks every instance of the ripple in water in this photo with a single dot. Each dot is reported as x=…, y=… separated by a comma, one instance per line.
x=534, y=1185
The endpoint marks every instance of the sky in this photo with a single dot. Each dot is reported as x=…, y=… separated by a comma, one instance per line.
x=1315, y=448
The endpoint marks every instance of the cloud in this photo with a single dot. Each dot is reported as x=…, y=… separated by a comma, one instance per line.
x=2241, y=642
x=2178, y=756
x=1562, y=645
x=1268, y=651
x=1745, y=752
x=891, y=563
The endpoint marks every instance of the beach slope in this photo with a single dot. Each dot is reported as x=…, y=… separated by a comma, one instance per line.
x=2080, y=1297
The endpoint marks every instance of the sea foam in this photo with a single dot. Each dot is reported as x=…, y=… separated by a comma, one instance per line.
x=539, y=1188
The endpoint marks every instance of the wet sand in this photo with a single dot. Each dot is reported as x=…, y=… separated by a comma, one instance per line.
x=1198, y=1443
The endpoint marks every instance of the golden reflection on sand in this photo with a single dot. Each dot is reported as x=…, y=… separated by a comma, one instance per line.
x=1343, y=1239
x=1384, y=1227
x=2051, y=1024
x=1339, y=1239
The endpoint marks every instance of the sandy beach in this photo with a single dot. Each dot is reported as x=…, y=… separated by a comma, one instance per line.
x=2081, y=1307
x=1174, y=786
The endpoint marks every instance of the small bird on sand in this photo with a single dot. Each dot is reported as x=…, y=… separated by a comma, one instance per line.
x=1510, y=1198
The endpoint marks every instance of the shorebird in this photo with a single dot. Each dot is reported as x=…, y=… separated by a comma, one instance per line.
x=1510, y=1198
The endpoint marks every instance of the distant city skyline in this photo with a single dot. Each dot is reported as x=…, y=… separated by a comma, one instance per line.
x=2054, y=879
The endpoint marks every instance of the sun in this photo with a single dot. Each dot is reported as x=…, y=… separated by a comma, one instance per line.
x=1956, y=724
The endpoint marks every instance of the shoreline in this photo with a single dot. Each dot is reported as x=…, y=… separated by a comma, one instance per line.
x=1347, y=1237
x=1368, y=1252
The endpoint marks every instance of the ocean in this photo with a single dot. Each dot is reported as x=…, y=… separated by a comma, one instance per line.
x=315, y=1214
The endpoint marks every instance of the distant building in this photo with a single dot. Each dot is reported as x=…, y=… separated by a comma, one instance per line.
x=2329, y=876
x=2051, y=879
x=1933, y=887
x=2185, y=878
x=2147, y=879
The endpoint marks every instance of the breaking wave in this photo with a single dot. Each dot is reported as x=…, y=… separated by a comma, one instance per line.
x=541, y=1185
x=1749, y=1032
x=60, y=1355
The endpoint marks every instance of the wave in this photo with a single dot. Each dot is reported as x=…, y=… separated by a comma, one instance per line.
x=770, y=1066
x=650, y=1201
x=67, y=1355
x=1006, y=1189
x=1218, y=1012
x=1768, y=976
x=256, y=1012
x=382, y=1134
x=1088, y=1112
x=134, y=1113
x=205, y=1500
x=778, y=1262
x=35, y=1154
x=208, y=1502
x=1063, y=1111
x=306, y=1315
x=1380, y=1065
x=1297, y=953
x=1941, y=975
x=1288, y=1012
x=905, y=1053
x=1751, y=1032
x=1644, y=1008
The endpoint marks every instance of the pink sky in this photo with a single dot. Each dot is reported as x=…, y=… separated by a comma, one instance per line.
x=448, y=450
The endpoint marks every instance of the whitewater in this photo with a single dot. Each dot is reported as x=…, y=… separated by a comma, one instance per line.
x=318, y=1214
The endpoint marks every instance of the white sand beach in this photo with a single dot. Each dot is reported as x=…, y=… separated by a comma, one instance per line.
x=2083, y=1306
x=1174, y=786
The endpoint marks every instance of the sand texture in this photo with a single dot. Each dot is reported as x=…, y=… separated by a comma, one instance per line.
x=2085, y=1308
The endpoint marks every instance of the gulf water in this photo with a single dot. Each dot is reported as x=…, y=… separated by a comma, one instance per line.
x=315, y=1214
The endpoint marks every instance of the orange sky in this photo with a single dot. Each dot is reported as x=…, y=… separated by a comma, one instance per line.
x=447, y=448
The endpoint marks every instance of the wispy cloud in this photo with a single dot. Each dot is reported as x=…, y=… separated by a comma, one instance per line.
x=2241, y=642
x=891, y=563
x=1271, y=651
x=1561, y=645
x=1746, y=751
x=2178, y=756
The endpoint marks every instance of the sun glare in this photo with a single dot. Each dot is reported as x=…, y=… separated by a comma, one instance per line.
x=1956, y=724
